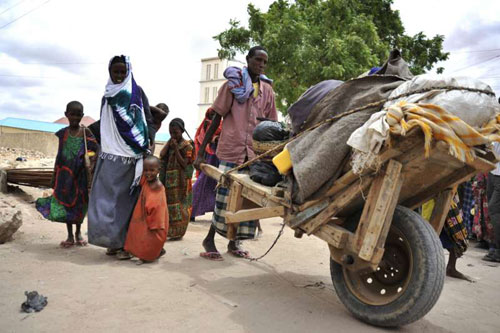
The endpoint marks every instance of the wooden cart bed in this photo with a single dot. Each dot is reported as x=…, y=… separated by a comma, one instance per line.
x=406, y=177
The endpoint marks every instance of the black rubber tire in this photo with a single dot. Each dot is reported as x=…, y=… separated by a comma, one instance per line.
x=424, y=287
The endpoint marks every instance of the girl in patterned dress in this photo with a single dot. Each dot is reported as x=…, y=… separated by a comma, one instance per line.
x=69, y=200
x=175, y=174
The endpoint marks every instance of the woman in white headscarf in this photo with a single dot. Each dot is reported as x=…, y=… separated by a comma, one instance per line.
x=125, y=133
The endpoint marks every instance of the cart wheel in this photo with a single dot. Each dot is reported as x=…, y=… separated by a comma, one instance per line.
x=408, y=281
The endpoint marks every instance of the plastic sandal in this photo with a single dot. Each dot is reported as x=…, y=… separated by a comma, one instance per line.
x=215, y=256
x=81, y=242
x=240, y=253
x=67, y=244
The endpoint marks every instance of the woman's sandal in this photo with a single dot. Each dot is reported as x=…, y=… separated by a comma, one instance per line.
x=215, y=256
x=67, y=244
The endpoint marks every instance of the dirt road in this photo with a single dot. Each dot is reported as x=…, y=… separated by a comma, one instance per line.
x=91, y=292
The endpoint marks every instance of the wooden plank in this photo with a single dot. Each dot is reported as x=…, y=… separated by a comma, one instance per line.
x=337, y=186
x=244, y=179
x=401, y=145
x=231, y=232
x=441, y=171
x=338, y=203
x=334, y=235
x=420, y=173
x=409, y=157
x=211, y=171
x=359, y=264
x=445, y=160
x=309, y=204
x=235, y=200
x=388, y=221
x=254, y=214
x=234, y=203
x=442, y=206
x=383, y=196
x=454, y=178
x=482, y=165
x=295, y=221
x=261, y=200
x=479, y=163
x=258, y=189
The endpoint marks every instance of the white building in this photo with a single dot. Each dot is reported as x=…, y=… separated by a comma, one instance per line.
x=211, y=80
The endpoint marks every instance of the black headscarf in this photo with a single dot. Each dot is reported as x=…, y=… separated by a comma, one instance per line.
x=180, y=124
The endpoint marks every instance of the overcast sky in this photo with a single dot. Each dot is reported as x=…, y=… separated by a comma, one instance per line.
x=54, y=51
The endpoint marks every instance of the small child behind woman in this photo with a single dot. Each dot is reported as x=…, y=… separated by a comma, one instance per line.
x=148, y=227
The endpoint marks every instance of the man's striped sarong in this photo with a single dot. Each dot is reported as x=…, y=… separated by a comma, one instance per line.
x=246, y=230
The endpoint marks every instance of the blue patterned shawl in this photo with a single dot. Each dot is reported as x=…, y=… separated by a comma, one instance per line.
x=240, y=83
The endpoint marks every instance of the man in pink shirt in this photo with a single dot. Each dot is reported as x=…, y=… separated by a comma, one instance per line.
x=246, y=96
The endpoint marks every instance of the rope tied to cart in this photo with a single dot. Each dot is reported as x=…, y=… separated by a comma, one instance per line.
x=272, y=245
x=224, y=177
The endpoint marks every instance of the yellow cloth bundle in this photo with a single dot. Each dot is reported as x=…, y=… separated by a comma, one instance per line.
x=439, y=124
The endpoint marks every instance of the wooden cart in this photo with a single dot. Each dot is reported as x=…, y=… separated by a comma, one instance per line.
x=387, y=263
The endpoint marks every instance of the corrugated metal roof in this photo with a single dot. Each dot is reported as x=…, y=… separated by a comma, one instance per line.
x=32, y=125
x=43, y=126
x=86, y=121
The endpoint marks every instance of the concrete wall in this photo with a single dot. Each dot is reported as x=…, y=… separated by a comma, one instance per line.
x=43, y=142
x=158, y=147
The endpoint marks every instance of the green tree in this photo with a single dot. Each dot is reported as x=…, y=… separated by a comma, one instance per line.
x=314, y=40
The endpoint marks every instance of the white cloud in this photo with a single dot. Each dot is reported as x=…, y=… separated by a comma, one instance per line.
x=165, y=40
x=470, y=28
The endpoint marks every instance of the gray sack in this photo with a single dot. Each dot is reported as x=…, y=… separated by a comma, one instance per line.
x=318, y=156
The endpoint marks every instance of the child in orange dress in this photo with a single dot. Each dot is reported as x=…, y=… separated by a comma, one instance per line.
x=148, y=227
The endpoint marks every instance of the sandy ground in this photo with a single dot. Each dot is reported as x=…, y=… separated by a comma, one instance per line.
x=91, y=292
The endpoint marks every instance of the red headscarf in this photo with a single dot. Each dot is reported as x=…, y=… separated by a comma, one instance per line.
x=200, y=134
x=202, y=130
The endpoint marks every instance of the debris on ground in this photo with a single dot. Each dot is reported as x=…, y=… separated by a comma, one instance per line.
x=34, y=302
x=10, y=221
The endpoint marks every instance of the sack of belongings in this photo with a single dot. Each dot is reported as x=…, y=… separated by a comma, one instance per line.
x=435, y=112
x=265, y=173
x=319, y=154
x=267, y=135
